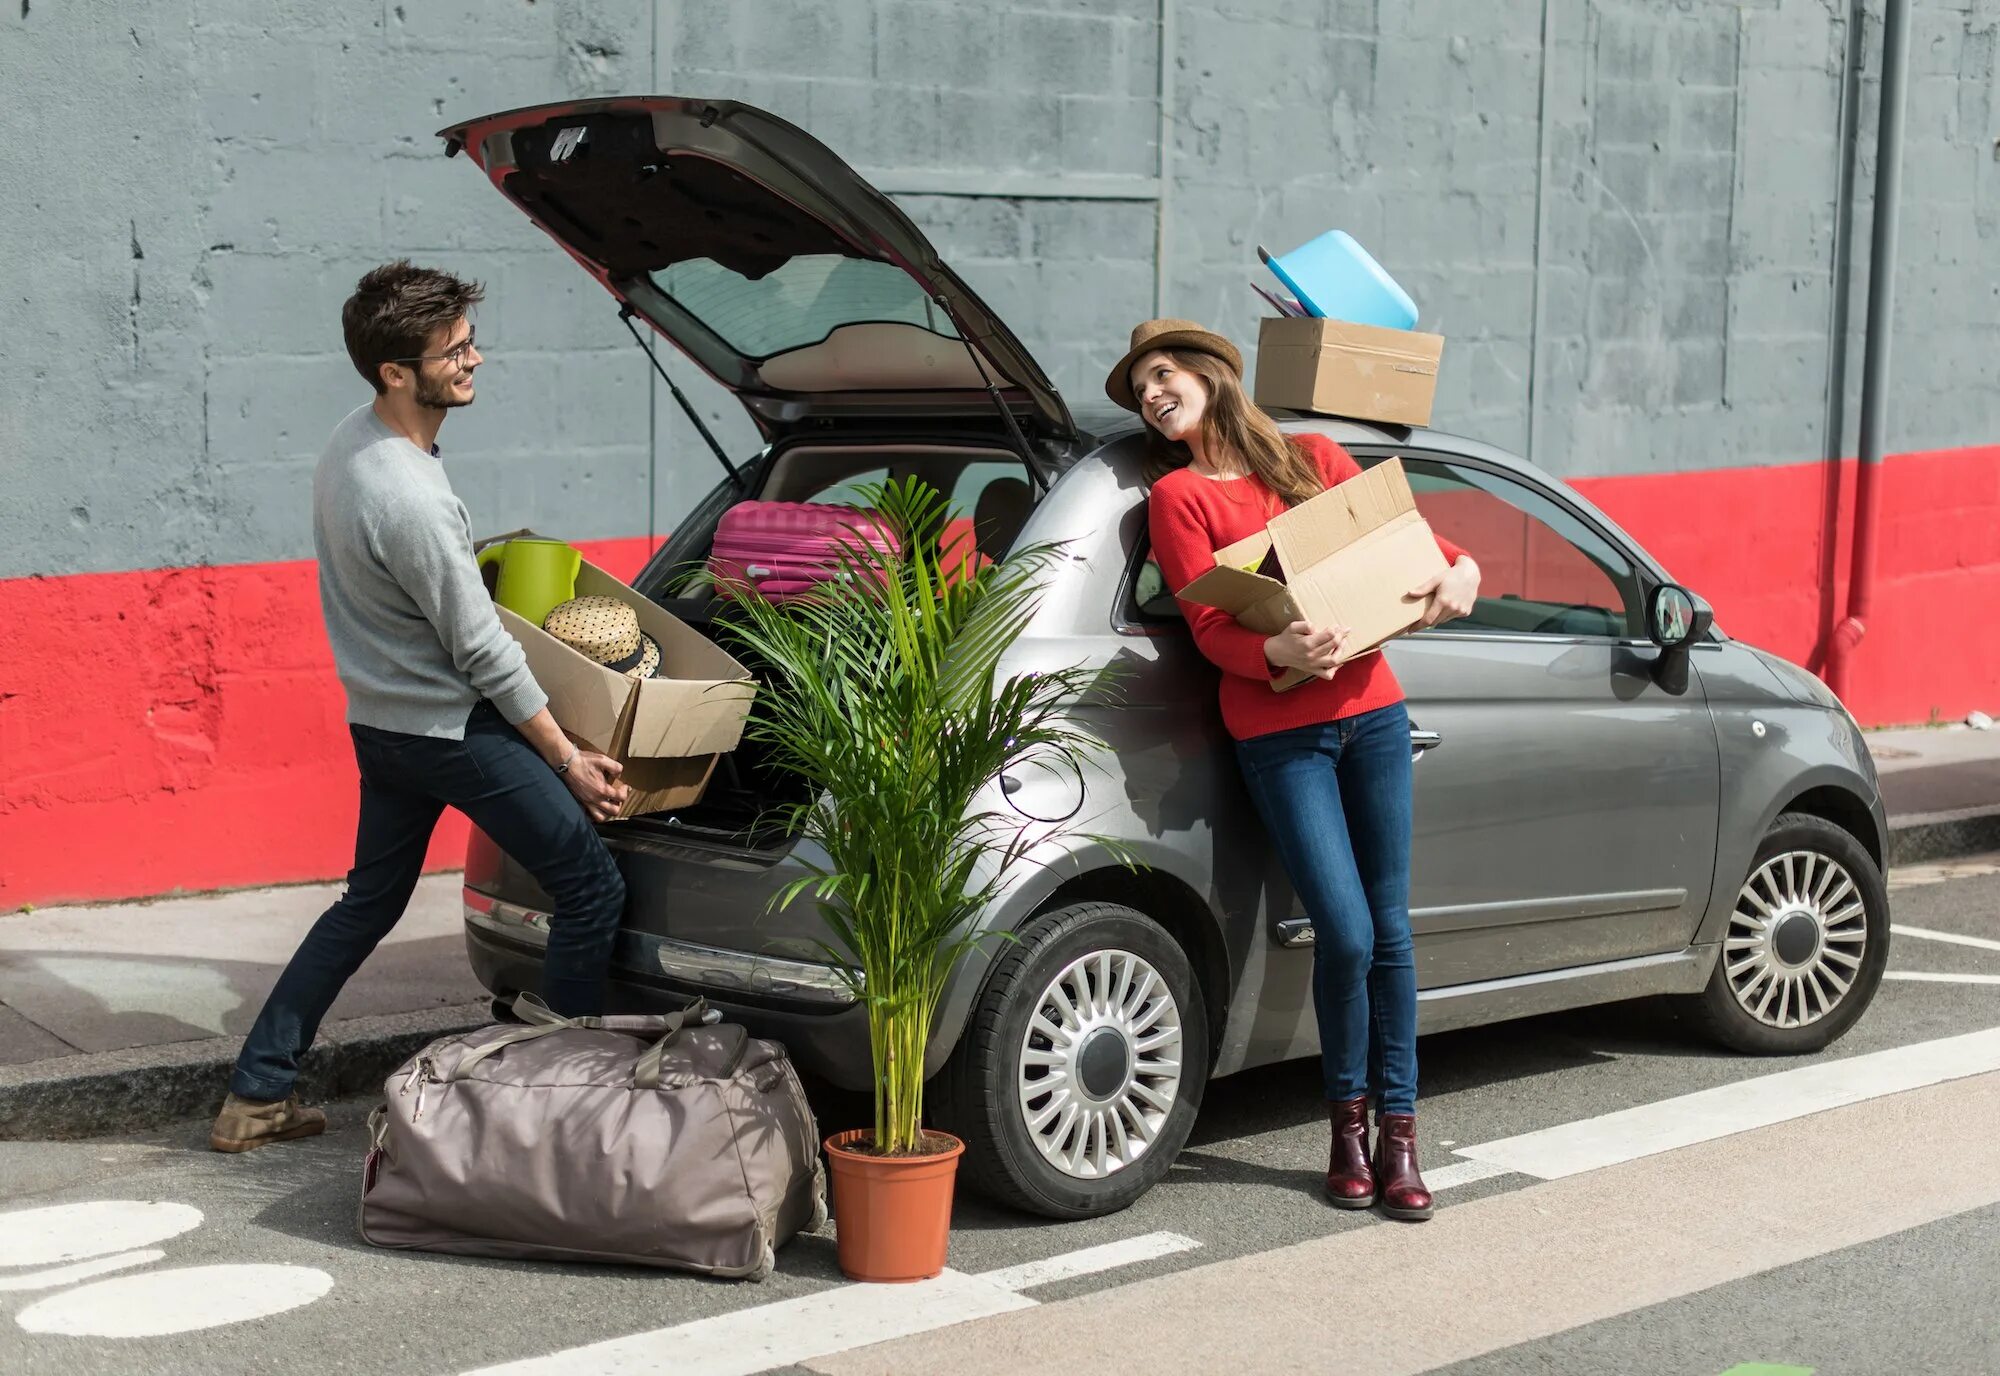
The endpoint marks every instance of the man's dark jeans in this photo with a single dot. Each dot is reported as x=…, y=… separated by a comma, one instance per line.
x=495, y=777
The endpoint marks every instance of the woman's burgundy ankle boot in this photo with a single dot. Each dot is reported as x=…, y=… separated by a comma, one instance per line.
x=1403, y=1194
x=1350, y=1181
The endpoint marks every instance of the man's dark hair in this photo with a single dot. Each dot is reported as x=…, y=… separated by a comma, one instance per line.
x=394, y=311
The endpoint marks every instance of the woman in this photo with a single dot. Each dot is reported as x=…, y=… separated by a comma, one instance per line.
x=1327, y=762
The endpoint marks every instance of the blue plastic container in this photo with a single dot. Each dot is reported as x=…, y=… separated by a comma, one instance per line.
x=1333, y=276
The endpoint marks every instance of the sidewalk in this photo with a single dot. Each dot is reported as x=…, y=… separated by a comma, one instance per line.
x=130, y=1014
x=1942, y=788
x=126, y=1015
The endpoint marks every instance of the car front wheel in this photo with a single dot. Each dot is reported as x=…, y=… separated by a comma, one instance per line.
x=1805, y=946
x=1082, y=1065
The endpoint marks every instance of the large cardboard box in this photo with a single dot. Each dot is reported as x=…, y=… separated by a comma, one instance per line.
x=1342, y=369
x=667, y=731
x=1348, y=557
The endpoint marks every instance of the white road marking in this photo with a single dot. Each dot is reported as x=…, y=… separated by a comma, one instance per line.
x=1593, y=1143
x=1927, y=977
x=71, y=1232
x=82, y=1270
x=1461, y=1173
x=751, y=1340
x=755, y=1339
x=1125, y=1252
x=1926, y=934
x=179, y=1301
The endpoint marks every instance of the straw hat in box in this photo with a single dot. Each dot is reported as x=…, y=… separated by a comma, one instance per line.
x=607, y=631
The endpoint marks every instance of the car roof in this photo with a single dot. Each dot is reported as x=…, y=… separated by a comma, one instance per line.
x=1109, y=426
x=1108, y=423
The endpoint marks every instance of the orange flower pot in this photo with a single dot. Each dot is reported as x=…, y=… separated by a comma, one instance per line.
x=893, y=1213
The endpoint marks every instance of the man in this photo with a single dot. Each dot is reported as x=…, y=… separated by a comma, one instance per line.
x=440, y=701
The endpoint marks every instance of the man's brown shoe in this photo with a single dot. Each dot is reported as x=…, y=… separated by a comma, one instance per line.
x=247, y=1124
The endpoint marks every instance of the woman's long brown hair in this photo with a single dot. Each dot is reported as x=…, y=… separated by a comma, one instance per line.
x=1232, y=425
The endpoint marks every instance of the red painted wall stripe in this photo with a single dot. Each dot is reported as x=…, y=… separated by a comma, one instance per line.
x=1759, y=545
x=182, y=728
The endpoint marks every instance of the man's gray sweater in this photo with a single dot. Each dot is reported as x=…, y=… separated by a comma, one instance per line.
x=415, y=638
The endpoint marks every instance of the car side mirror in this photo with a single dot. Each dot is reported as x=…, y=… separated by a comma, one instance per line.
x=1676, y=619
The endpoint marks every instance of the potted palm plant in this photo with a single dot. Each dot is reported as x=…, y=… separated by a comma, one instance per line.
x=880, y=694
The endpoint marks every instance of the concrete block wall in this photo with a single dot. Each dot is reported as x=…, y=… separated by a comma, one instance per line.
x=1621, y=213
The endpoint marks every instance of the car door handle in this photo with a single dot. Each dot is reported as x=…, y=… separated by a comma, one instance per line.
x=1423, y=741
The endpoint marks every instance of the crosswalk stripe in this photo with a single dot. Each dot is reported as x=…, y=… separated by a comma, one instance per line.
x=1927, y=934
x=1593, y=1143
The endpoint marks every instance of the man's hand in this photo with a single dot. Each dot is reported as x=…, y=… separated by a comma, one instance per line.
x=593, y=779
x=1303, y=646
x=1451, y=593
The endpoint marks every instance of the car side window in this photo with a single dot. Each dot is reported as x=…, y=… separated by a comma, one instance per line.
x=1543, y=571
x=1148, y=600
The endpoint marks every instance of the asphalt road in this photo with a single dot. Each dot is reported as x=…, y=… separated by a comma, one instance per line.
x=314, y=1297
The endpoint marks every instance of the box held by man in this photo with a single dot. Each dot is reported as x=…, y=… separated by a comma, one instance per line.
x=667, y=731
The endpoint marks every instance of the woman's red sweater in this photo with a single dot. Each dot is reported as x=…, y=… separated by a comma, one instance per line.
x=1192, y=517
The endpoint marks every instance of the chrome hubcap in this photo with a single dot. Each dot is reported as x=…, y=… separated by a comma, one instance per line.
x=1796, y=939
x=1100, y=1064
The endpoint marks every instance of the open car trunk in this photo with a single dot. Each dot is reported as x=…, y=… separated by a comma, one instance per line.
x=990, y=499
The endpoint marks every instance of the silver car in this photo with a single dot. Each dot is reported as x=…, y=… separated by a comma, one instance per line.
x=1613, y=799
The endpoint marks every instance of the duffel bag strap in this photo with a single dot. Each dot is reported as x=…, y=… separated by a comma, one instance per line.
x=646, y=1073
x=514, y=1036
x=529, y=1007
x=648, y=1063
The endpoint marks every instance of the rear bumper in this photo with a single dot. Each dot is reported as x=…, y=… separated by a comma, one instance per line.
x=805, y=1006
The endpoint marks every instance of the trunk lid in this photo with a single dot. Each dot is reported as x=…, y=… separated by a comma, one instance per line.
x=763, y=257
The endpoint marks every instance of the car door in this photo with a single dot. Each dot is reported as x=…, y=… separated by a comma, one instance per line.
x=1565, y=802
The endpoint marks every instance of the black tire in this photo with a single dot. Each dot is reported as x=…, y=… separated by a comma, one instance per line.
x=1720, y=1012
x=975, y=1094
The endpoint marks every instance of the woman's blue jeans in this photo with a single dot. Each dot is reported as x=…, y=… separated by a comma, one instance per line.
x=1335, y=798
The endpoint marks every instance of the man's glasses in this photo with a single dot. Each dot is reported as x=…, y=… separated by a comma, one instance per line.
x=455, y=355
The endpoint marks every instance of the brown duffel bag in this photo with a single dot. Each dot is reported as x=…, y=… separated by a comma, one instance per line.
x=651, y=1140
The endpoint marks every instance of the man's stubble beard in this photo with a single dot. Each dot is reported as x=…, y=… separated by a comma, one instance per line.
x=439, y=394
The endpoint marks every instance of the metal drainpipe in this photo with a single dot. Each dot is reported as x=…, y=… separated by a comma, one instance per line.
x=1847, y=636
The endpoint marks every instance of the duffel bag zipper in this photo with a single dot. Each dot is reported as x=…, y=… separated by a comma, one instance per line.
x=419, y=1079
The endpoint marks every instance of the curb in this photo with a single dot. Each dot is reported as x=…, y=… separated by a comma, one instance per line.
x=116, y=1091
x=1925, y=836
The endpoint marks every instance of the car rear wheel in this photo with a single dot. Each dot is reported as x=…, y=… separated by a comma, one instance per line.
x=1082, y=1065
x=1805, y=946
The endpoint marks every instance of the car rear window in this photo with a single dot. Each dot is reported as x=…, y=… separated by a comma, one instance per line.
x=800, y=303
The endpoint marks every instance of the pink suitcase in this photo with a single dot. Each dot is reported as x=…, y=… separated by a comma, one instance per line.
x=786, y=549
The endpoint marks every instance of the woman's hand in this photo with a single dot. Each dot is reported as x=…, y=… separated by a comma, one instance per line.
x=1451, y=593
x=1302, y=646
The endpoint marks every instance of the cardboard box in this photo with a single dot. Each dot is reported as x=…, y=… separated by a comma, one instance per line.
x=1348, y=557
x=1342, y=369
x=667, y=731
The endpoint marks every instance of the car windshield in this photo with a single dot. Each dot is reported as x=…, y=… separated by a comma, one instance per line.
x=800, y=303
